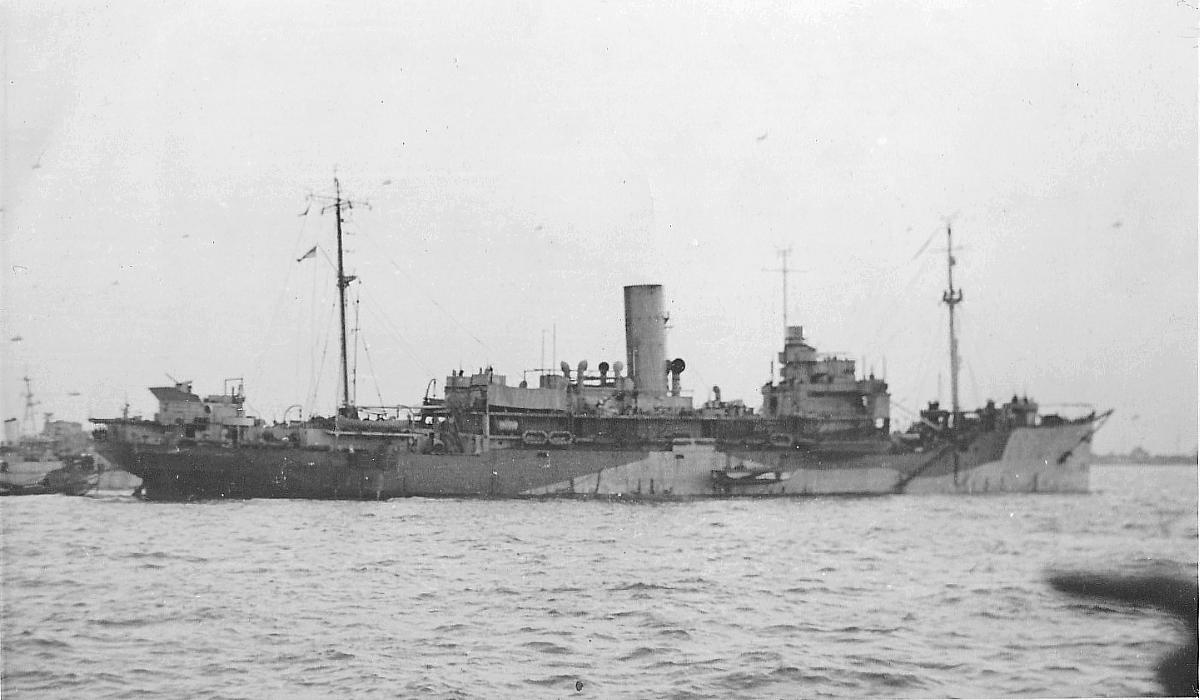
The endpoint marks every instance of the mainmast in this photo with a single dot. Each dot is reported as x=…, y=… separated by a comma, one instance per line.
x=952, y=297
x=343, y=281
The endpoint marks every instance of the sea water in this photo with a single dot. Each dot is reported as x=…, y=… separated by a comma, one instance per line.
x=904, y=596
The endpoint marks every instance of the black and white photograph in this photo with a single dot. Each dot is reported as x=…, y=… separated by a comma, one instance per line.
x=599, y=349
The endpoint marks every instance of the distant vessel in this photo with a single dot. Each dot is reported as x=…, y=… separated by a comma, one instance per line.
x=52, y=460
x=1140, y=456
x=27, y=455
x=823, y=429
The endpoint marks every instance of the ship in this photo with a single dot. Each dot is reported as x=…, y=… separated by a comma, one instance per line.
x=27, y=454
x=56, y=459
x=624, y=430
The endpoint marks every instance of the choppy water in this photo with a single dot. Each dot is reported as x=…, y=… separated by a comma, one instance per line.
x=898, y=596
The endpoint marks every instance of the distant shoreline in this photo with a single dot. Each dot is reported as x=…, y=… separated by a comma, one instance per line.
x=1124, y=461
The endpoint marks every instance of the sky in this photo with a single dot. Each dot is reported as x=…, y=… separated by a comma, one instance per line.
x=518, y=163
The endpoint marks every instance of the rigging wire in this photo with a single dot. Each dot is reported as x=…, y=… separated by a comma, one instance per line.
x=350, y=229
x=371, y=366
x=317, y=366
x=388, y=326
x=311, y=332
x=319, y=370
x=432, y=298
x=354, y=376
x=974, y=385
x=968, y=354
x=275, y=307
x=925, y=366
x=912, y=415
x=925, y=245
x=887, y=314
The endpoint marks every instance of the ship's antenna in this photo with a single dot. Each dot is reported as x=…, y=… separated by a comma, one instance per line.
x=343, y=280
x=951, y=298
x=783, y=270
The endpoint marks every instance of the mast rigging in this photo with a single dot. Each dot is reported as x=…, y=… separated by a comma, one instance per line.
x=343, y=280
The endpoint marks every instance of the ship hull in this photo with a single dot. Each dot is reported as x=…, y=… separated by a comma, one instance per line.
x=1043, y=459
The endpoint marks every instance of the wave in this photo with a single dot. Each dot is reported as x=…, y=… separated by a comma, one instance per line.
x=640, y=586
x=644, y=652
x=564, y=680
x=444, y=609
x=547, y=647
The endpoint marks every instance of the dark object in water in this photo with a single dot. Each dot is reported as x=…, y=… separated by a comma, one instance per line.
x=1177, y=672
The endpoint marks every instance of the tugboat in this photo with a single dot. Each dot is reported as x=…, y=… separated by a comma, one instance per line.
x=625, y=430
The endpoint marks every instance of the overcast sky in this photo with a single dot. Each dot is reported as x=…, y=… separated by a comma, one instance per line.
x=524, y=161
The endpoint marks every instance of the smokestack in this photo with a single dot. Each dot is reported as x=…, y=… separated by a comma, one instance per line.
x=645, y=338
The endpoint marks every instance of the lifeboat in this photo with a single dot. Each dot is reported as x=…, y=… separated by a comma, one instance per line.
x=534, y=438
x=561, y=438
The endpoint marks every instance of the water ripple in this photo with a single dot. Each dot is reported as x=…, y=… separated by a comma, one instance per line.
x=899, y=597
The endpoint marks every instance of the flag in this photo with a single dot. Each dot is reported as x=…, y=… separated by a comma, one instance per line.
x=312, y=252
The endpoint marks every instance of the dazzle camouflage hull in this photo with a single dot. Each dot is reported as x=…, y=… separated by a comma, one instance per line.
x=623, y=430
x=1053, y=459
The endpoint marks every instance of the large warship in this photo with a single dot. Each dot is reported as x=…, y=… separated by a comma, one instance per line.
x=623, y=430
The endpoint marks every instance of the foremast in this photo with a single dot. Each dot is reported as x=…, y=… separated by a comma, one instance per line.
x=951, y=298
